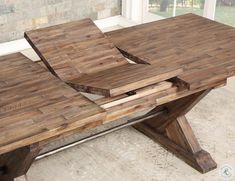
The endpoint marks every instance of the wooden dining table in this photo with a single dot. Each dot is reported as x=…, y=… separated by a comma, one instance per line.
x=165, y=67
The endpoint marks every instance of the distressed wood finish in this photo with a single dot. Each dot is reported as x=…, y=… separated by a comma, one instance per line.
x=122, y=106
x=122, y=79
x=107, y=102
x=16, y=163
x=204, y=48
x=80, y=55
x=201, y=160
x=72, y=49
x=35, y=105
x=198, y=51
x=173, y=132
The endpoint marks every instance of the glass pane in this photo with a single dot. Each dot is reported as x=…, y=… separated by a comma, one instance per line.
x=225, y=12
x=162, y=8
x=190, y=6
x=165, y=8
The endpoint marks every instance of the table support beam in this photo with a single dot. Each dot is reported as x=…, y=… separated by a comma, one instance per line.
x=16, y=163
x=174, y=133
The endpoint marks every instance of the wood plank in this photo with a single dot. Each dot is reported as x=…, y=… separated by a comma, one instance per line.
x=127, y=108
x=122, y=79
x=72, y=49
x=61, y=110
x=89, y=62
x=110, y=102
x=184, y=136
x=203, y=48
x=35, y=105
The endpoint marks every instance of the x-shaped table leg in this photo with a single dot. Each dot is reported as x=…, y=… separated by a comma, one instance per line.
x=173, y=132
x=16, y=163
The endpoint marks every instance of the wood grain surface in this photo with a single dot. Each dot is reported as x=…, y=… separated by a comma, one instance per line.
x=72, y=49
x=203, y=48
x=35, y=105
x=80, y=54
x=125, y=78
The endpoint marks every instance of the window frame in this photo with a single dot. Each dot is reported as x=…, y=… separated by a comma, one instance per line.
x=138, y=11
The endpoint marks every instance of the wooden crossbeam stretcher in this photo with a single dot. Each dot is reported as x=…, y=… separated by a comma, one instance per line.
x=175, y=67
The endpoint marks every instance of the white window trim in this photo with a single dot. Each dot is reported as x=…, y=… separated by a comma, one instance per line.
x=137, y=10
x=209, y=9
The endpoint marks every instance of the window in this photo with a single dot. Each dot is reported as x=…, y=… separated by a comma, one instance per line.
x=225, y=12
x=162, y=8
x=141, y=11
x=169, y=8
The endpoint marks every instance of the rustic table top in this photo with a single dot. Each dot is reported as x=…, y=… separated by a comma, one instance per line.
x=73, y=49
x=179, y=60
x=35, y=105
x=203, y=48
x=80, y=54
